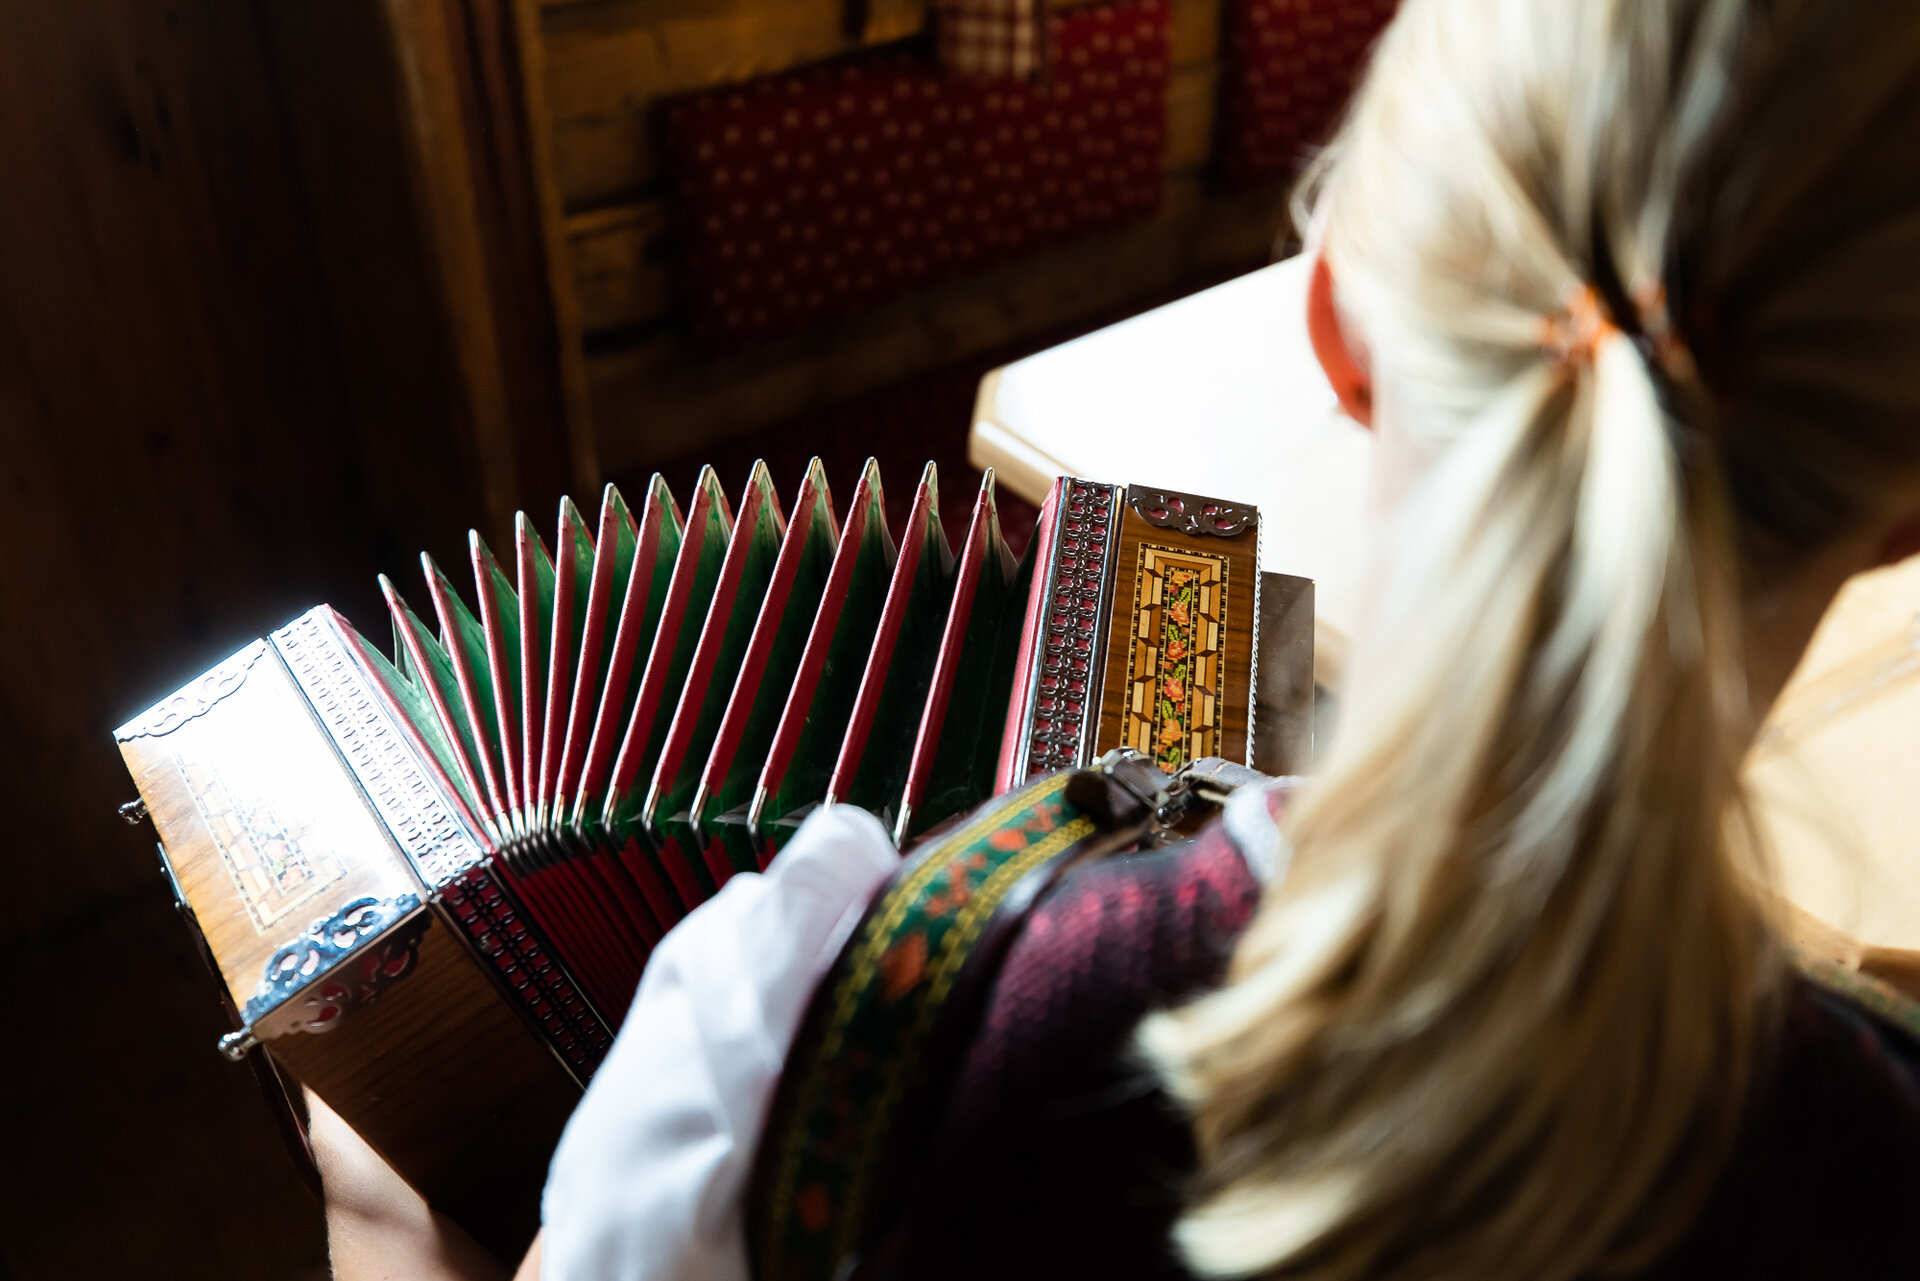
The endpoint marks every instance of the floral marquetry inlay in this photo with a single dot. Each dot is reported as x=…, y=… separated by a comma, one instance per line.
x=1175, y=659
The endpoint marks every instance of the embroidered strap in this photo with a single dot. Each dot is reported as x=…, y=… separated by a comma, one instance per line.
x=874, y=1059
x=866, y=1060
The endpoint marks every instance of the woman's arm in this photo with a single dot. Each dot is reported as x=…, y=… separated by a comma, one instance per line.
x=379, y=1228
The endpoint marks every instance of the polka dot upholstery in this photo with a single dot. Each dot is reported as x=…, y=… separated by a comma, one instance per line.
x=1290, y=65
x=816, y=191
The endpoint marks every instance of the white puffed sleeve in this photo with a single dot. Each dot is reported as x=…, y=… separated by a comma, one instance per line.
x=650, y=1176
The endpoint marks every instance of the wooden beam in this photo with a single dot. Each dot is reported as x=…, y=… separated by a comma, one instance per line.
x=480, y=191
x=556, y=257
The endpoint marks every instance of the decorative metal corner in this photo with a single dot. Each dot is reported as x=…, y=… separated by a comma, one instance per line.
x=195, y=700
x=330, y=973
x=1189, y=513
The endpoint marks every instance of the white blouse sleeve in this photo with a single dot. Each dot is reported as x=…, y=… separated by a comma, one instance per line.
x=650, y=1176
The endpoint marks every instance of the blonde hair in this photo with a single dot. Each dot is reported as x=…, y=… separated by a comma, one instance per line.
x=1501, y=1020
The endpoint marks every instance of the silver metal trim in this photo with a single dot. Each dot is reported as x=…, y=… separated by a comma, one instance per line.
x=323, y=945
x=196, y=699
x=1044, y=584
x=694, y=807
x=437, y=842
x=1253, y=652
x=235, y=1045
x=515, y=1001
x=378, y=751
x=1102, y=626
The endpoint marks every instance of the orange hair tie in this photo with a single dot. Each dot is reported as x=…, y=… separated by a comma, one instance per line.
x=1576, y=336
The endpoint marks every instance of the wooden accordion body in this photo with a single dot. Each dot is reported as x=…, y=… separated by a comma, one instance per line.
x=430, y=885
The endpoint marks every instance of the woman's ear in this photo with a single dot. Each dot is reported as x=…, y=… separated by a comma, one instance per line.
x=1347, y=373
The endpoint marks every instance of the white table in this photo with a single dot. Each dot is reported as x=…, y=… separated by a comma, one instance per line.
x=1836, y=774
x=1217, y=394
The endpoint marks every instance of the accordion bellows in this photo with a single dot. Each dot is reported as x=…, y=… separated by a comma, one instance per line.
x=430, y=883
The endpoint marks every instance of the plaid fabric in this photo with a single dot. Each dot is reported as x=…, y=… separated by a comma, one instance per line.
x=992, y=39
x=1290, y=66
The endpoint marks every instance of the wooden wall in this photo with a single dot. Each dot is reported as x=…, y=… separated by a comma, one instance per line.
x=228, y=389
x=605, y=63
x=289, y=290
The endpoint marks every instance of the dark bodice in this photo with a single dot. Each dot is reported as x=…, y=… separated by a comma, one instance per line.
x=1062, y=1158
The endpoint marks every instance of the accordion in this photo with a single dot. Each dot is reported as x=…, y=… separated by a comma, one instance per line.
x=429, y=883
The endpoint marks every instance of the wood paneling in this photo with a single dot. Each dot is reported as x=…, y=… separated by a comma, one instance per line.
x=186, y=391
x=1191, y=93
x=229, y=387
x=476, y=129
x=134, y=1149
x=178, y=447
x=559, y=321
x=622, y=261
x=379, y=300
x=655, y=398
x=652, y=394
x=1196, y=31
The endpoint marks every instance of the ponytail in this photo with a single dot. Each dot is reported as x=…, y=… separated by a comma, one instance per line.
x=1510, y=993
x=1500, y=1020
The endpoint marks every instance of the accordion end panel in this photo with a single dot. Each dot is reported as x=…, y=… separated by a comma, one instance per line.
x=1143, y=631
x=334, y=949
x=1184, y=602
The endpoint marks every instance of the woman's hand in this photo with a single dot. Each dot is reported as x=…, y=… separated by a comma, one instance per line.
x=379, y=1228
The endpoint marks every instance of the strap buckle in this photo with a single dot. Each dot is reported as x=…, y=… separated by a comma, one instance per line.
x=1125, y=789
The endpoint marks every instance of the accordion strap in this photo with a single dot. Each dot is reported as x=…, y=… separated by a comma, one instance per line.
x=887, y=1030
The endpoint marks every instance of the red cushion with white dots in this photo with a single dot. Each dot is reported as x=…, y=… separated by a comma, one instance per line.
x=1290, y=67
x=817, y=191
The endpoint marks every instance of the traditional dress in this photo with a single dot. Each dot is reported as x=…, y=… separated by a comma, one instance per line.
x=1067, y=1160
x=1056, y=1154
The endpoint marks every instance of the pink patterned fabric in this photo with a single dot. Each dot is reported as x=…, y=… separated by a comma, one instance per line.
x=813, y=192
x=1290, y=67
x=991, y=39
